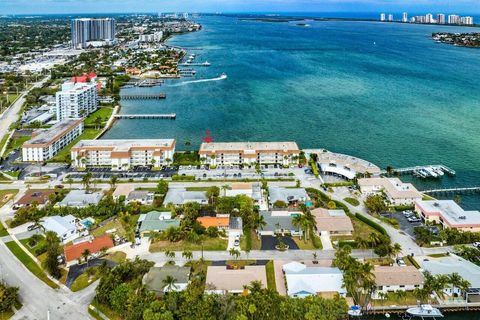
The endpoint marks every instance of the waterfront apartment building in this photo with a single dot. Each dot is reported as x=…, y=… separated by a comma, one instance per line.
x=76, y=100
x=248, y=153
x=86, y=30
x=441, y=18
x=453, y=19
x=382, y=17
x=429, y=18
x=466, y=20
x=390, y=17
x=405, y=17
x=46, y=143
x=123, y=154
x=449, y=214
x=396, y=192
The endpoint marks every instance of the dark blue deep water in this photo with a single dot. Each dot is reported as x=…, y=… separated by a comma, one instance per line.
x=379, y=91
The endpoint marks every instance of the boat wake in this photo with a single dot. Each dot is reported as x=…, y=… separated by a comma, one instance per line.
x=219, y=78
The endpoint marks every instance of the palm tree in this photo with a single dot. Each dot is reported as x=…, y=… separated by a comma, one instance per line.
x=455, y=281
x=169, y=283
x=85, y=255
x=70, y=182
x=86, y=180
x=362, y=243
x=260, y=222
x=169, y=254
x=234, y=253
x=113, y=181
x=187, y=254
x=396, y=249
x=401, y=295
x=302, y=222
x=374, y=238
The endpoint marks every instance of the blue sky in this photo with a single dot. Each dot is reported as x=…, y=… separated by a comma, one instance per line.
x=99, y=6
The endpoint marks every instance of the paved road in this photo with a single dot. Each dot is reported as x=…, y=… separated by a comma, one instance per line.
x=37, y=298
x=11, y=114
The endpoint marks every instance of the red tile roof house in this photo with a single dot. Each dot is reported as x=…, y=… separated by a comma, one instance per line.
x=73, y=253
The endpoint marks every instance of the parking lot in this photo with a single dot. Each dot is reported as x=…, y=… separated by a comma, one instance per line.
x=139, y=173
x=405, y=225
x=236, y=172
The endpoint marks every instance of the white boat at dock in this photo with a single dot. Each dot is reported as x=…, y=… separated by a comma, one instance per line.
x=355, y=311
x=424, y=311
x=206, y=64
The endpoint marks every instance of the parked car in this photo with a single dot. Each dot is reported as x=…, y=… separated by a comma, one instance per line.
x=401, y=262
x=476, y=245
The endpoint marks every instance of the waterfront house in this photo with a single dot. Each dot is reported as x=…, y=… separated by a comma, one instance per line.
x=303, y=281
x=154, y=280
x=396, y=192
x=332, y=222
x=222, y=280
x=396, y=278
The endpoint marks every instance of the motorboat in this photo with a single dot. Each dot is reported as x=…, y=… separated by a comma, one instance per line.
x=424, y=311
x=355, y=311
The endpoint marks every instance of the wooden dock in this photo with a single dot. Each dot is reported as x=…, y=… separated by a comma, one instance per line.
x=156, y=96
x=464, y=190
x=171, y=116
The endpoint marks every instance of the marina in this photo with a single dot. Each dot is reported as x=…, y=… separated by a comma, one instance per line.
x=428, y=171
x=171, y=116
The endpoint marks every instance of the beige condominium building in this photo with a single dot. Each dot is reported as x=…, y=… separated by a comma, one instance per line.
x=123, y=154
x=46, y=143
x=228, y=153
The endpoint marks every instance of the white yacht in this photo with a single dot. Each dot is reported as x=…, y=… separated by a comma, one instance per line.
x=425, y=311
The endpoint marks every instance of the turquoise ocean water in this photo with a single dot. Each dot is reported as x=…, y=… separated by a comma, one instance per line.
x=379, y=91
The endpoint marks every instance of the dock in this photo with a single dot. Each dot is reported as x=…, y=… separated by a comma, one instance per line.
x=145, y=96
x=171, y=116
x=428, y=171
x=203, y=64
x=461, y=190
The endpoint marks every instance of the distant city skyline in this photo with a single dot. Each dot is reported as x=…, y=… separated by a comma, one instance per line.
x=117, y=6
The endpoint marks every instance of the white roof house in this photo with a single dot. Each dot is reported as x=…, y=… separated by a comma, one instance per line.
x=80, y=199
x=180, y=196
x=64, y=227
x=397, y=192
x=303, y=281
x=449, y=214
x=286, y=195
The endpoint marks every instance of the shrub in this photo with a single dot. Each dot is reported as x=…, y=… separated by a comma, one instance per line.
x=371, y=223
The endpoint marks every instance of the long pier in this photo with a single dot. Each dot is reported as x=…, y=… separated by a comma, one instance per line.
x=194, y=64
x=453, y=190
x=171, y=116
x=411, y=170
x=146, y=96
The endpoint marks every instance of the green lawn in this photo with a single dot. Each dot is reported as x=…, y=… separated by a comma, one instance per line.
x=6, y=195
x=270, y=269
x=256, y=243
x=114, y=224
x=116, y=256
x=103, y=113
x=3, y=231
x=30, y=264
x=16, y=142
x=106, y=311
x=309, y=244
x=84, y=280
x=37, y=245
x=354, y=202
x=360, y=230
x=64, y=154
x=3, y=141
x=211, y=244
x=394, y=300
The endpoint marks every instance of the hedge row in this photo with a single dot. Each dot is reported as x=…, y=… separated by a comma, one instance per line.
x=371, y=223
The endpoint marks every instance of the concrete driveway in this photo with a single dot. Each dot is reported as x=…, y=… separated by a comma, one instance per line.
x=231, y=240
x=326, y=241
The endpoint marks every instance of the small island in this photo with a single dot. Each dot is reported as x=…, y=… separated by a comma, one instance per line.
x=470, y=40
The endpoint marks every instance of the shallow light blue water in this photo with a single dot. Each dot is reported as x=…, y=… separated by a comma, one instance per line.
x=383, y=92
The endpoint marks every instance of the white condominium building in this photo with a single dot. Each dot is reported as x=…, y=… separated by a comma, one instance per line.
x=76, y=100
x=123, y=154
x=466, y=20
x=220, y=153
x=405, y=17
x=453, y=19
x=86, y=30
x=45, y=144
x=441, y=18
x=396, y=192
x=390, y=17
x=382, y=16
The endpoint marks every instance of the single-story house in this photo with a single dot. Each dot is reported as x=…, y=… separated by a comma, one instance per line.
x=80, y=199
x=155, y=279
x=397, y=192
x=180, y=196
x=156, y=221
x=449, y=214
x=221, y=280
x=334, y=222
x=74, y=252
x=453, y=263
x=279, y=222
x=396, y=278
x=143, y=197
x=65, y=227
x=290, y=196
x=303, y=281
x=38, y=196
x=251, y=190
x=123, y=189
x=236, y=224
x=220, y=221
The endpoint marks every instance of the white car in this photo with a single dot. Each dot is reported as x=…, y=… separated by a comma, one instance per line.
x=476, y=245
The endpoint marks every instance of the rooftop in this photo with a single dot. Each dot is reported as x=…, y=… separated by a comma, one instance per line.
x=157, y=221
x=451, y=212
x=80, y=199
x=396, y=276
x=154, y=279
x=332, y=220
x=277, y=222
x=286, y=194
x=221, y=278
x=342, y=160
x=125, y=144
x=38, y=196
x=453, y=263
x=123, y=190
x=248, y=146
x=179, y=196
x=45, y=136
x=394, y=187
x=74, y=252
x=219, y=221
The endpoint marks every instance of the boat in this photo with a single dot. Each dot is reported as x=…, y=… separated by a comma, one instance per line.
x=206, y=64
x=355, y=311
x=223, y=76
x=424, y=311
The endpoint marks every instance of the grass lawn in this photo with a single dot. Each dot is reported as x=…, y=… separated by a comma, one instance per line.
x=117, y=256
x=37, y=245
x=186, y=158
x=361, y=229
x=6, y=195
x=354, y=202
x=30, y=264
x=308, y=245
x=197, y=188
x=256, y=242
x=84, y=280
x=112, y=315
x=270, y=269
x=211, y=244
x=392, y=299
x=6, y=315
x=114, y=224
x=64, y=154
x=16, y=143
x=198, y=267
x=4, y=140
x=3, y=231
x=104, y=113
x=240, y=263
x=437, y=255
